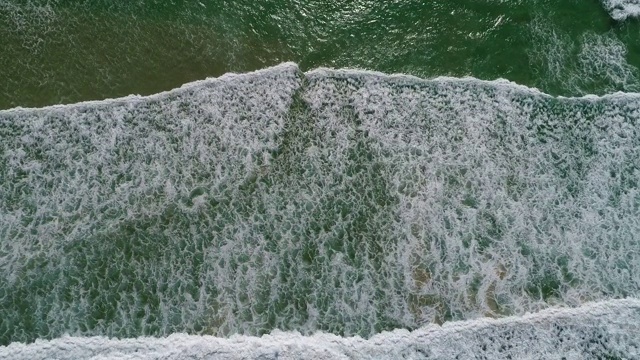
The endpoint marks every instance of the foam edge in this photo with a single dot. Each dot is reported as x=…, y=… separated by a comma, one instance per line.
x=530, y=335
x=316, y=74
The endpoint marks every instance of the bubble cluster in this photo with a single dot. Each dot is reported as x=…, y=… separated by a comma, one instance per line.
x=344, y=201
x=622, y=9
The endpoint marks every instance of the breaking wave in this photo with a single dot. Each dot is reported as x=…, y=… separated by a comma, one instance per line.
x=342, y=201
x=603, y=330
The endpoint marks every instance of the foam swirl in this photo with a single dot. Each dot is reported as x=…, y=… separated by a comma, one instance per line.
x=343, y=201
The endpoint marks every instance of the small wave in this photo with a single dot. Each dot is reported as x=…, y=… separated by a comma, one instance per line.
x=593, y=331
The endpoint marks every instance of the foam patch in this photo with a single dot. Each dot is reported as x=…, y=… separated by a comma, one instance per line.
x=594, y=331
x=622, y=9
x=341, y=201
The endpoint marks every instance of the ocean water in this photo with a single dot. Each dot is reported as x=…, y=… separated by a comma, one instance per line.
x=367, y=179
x=60, y=51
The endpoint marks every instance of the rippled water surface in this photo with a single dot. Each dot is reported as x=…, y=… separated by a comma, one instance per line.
x=312, y=191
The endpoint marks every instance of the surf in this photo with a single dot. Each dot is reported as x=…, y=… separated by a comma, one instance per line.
x=344, y=201
x=596, y=330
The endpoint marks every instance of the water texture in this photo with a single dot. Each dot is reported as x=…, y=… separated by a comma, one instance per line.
x=607, y=330
x=622, y=9
x=58, y=51
x=334, y=211
x=344, y=201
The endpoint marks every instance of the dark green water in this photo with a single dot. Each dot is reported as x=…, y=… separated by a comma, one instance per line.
x=340, y=200
x=68, y=51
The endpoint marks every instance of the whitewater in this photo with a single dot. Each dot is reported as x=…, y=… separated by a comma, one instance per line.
x=622, y=9
x=321, y=214
x=600, y=330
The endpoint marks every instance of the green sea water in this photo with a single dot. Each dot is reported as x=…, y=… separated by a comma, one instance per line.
x=307, y=199
x=67, y=51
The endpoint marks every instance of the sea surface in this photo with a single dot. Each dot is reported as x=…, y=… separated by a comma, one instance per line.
x=325, y=179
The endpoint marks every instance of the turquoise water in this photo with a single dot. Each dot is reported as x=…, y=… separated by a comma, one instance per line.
x=309, y=195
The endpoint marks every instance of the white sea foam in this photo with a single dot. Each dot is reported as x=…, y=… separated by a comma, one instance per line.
x=580, y=66
x=608, y=329
x=622, y=9
x=337, y=200
x=602, y=58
